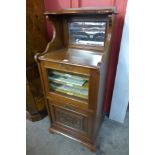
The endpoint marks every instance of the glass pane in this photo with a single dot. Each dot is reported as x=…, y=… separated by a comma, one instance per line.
x=64, y=83
x=87, y=33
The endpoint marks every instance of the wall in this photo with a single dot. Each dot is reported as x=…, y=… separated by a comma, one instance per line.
x=120, y=97
x=52, y=5
x=120, y=5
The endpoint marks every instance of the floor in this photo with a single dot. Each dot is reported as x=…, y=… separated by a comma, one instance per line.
x=113, y=139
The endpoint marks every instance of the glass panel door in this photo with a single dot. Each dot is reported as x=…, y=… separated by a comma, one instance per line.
x=73, y=85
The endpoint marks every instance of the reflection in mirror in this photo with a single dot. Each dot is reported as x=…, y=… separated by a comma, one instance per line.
x=87, y=33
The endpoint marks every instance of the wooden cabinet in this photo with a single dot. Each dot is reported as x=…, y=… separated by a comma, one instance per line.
x=36, y=41
x=73, y=71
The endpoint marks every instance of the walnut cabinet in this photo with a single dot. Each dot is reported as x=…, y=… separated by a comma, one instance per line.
x=73, y=71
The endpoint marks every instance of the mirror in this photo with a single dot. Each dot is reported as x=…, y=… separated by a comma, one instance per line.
x=87, y=33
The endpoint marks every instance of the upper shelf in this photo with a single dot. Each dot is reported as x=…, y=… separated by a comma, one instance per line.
x=74, y=56
x=83, y=34
x=84, y=10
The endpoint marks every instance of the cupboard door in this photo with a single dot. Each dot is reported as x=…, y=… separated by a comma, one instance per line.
x=73, y=120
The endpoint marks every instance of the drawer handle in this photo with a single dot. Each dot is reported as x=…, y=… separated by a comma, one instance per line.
x=68, y=107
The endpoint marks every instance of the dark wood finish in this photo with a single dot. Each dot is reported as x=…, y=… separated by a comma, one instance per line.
x=73, y=117
x=84, y=10
x=36, y=40
x=73, y=56
x=34, y=105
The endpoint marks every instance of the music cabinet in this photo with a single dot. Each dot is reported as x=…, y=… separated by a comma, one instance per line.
x=73, y=71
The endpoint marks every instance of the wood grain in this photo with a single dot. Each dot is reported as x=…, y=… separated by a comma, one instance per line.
x=36, y=40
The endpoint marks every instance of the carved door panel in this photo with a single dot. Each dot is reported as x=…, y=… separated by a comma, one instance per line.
x=71, y=119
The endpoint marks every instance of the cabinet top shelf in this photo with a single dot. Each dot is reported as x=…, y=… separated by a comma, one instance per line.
x=74, y=56
x=84, y=10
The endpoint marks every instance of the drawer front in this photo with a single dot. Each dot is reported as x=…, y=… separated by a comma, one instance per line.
x=63, y=99
x=67, y=68
x=72, y=118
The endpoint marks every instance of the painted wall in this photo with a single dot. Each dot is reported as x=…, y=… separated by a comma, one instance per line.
x=120, y=97
x=95, y=3
x=120, y=5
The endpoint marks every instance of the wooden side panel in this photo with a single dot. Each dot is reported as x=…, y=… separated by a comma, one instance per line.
x=94, y=85
x=36, y=41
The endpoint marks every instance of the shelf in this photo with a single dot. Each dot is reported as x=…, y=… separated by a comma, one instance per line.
x=67, y=79
x=77, y=92
x=72, y=85
x=83, y=87
x=74, y=56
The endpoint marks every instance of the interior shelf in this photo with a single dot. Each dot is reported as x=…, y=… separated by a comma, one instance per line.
x=72, y=85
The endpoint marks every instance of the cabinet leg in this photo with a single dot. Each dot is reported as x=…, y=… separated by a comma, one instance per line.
x=91, y=147
x=51, y=131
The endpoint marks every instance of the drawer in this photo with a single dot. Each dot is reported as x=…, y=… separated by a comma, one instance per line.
x=71, y=106
x=67, y=67
x=71, y=118
x=54, y=97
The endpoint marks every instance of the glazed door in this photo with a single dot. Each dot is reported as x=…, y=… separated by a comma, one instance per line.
x=67, y=83
x=77, y=86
